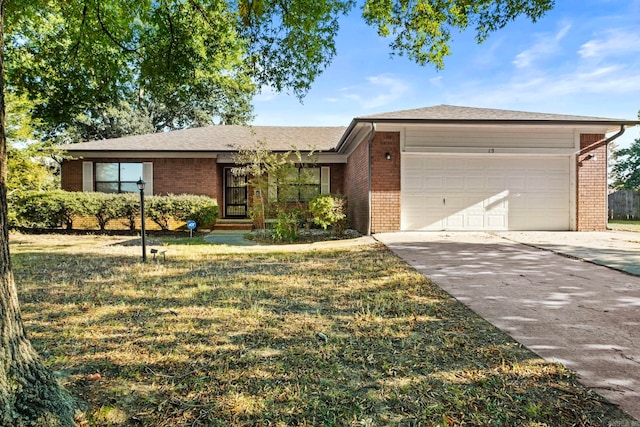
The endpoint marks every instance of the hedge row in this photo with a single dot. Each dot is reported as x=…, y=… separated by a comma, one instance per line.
x=54, y=209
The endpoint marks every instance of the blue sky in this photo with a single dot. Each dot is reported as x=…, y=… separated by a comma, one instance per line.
x=582, y=58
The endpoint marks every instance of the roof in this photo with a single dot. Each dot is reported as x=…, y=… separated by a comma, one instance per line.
x=452, y=113
x=230, y=138
x=222, y=138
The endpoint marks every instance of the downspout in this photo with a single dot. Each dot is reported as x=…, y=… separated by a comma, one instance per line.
x=369, y=140
x=602, y=142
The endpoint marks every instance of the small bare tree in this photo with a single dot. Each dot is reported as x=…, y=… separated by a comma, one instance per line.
x=273, y=176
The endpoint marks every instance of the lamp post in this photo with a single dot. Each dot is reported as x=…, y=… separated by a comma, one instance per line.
x=140, y=185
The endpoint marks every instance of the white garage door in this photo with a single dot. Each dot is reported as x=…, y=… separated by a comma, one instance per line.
x=485, y=193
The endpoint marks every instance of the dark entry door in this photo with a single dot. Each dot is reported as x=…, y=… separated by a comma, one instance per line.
x=235, y=195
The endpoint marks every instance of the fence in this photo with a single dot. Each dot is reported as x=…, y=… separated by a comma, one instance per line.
x=624, y=204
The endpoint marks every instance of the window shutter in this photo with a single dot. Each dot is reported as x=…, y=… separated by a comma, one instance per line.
x=147, y=176
x=87, y=176
x=325, y=180
x=273, y=189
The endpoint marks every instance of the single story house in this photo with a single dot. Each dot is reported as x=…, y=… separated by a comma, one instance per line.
x=436, y=168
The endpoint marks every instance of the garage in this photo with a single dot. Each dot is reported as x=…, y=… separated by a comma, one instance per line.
x=485, y=192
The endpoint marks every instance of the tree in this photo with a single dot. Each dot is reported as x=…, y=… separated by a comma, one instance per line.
x=275, y=178
x=626, y=170
x=30, y=164
x=73, y=55
x=179, y=62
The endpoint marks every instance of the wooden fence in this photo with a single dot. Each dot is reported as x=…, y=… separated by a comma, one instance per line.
x=624, y=204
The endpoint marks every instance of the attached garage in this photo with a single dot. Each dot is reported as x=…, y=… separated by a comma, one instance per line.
x=477, y=169
x=480, y=192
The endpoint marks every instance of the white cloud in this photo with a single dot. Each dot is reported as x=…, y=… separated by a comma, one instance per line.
x=267, y=93
x=377, y=92
x=612, y=42
x=437, y=82
x=547, y=44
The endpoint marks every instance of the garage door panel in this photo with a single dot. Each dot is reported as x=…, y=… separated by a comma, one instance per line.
x=482, y=193
x=454, y=183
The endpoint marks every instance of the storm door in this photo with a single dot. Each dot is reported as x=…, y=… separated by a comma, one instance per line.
x=235, y=195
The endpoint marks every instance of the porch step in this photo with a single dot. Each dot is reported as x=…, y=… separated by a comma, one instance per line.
x=233, y=224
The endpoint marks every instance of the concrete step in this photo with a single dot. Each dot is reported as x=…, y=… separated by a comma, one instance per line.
x=234, y=224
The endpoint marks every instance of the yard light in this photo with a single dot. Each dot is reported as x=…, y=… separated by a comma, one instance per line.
x=140, y=185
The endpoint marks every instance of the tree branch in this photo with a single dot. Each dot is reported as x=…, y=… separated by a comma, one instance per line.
x=111, y=36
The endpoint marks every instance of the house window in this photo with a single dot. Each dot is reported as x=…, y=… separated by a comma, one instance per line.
x=301, y=185
x=117, y=177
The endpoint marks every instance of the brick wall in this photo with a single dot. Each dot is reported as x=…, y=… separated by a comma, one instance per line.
x=356, y=188
x=385, y=182
x=176, y=176
x=591, y=189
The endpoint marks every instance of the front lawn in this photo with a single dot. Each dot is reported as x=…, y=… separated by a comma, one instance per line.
x=624, y=225
x=219, y=336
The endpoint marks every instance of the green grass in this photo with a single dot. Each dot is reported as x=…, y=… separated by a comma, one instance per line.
x=624, y=225
x=220, y=336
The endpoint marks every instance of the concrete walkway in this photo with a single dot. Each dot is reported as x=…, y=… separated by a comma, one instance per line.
x=615, y=249
x=566, y=310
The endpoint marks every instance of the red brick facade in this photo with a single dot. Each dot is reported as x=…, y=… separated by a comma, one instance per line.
x=591, y=185
x=175, y=176
x=202, y=176
x=356, y=188
x=385, y=182
x=370, y=181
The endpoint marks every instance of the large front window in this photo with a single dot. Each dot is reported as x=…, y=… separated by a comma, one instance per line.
x=117, y=177
x=301, y=184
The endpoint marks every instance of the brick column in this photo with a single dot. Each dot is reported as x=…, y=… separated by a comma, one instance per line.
x=385, y=182
x=591, y=186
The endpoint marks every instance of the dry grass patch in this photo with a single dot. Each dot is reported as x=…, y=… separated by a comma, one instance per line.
x=217, y=336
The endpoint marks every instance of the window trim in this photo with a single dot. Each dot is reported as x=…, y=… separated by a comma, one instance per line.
x=119, y=182
x=300, y=186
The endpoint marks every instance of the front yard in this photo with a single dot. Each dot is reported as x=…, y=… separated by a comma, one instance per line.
x=219, y=336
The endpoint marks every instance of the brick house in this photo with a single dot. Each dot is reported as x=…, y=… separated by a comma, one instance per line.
x=434, y=168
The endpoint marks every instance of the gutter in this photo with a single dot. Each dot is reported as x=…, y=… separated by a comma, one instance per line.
x=602, y=142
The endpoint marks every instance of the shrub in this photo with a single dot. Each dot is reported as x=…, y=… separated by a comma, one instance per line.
x=104, y=207
x=285, y=228
x=57, y=208
x=201, y=209
x=159, y=209
x=329, y=210
x=129, y=209
x=51, y=209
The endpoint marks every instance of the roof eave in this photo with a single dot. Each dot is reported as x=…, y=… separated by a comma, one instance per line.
x=497, y=122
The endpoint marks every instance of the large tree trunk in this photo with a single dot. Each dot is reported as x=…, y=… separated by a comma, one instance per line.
x=29, y=394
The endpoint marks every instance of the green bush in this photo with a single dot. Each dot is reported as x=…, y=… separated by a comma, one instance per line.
x=54, y=209
x=51, y=209
x=103, y=206
x=159, y=209
x=201, y=209
x=286, y=226
x=329, y=210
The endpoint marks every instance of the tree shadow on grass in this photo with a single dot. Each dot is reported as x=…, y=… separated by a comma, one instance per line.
x=312, y=338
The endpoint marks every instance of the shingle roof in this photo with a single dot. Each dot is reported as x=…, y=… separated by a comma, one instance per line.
x=456, y=113
x=221, y=138
x=284, y=138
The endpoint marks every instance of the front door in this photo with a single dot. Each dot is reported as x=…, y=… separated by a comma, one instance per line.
x=235, y=195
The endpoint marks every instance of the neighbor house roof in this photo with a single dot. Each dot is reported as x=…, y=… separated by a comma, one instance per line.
x=221, y=139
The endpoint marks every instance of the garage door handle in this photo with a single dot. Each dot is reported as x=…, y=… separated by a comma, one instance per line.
x=444, y=202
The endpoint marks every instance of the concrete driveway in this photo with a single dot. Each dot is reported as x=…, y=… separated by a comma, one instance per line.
x=583, y=315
